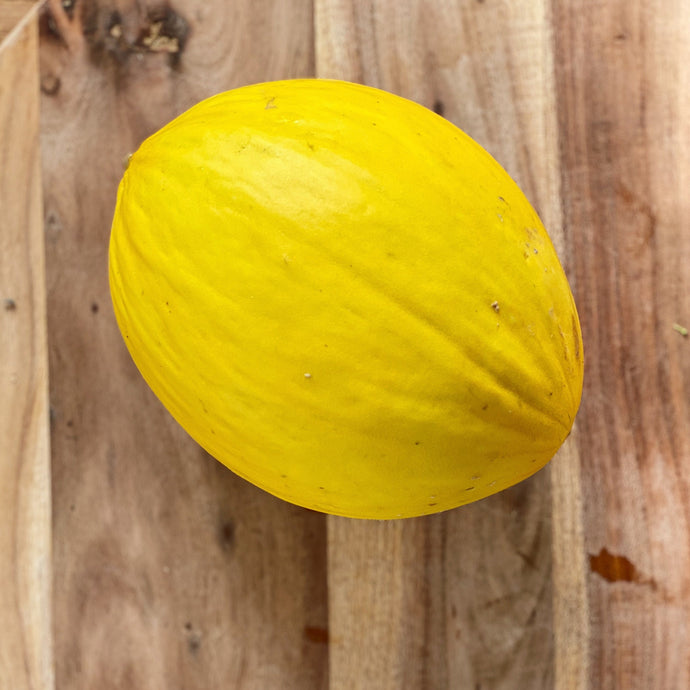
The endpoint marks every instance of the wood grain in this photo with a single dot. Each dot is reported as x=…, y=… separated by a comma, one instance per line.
x=170, y=572
x=386, y=591
x=13, y=16
x=623, y=116
x=571, y=613
x=462, y=599
x=26, y=661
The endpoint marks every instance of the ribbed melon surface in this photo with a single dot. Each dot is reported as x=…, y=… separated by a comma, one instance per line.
x=345, y=300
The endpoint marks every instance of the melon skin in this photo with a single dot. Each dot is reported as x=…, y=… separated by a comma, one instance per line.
x=345, y=300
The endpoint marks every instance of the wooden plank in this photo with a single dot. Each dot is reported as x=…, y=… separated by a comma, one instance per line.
x=387, y=603
x=26, y=660
x=461, y=599
x=624, y=112
x=13, y=14
x=571, y=614
x=170, y=572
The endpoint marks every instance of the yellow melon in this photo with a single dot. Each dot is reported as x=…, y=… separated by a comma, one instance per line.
x=345, y=299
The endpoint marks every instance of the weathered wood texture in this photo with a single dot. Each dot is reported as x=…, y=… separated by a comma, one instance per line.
x=170, y=572
x=622, y=71
x=463, y=599
x=13, y=16
x=26, y=661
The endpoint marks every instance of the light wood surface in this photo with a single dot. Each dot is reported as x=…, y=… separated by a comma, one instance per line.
x=26, y=660
x=14, y=15
x=172, y=573
x=624, y=122
x=464, y=599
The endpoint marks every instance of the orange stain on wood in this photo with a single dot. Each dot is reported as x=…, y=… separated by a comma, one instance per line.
x=616, y=568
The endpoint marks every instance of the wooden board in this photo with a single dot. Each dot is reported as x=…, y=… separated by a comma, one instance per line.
x=169, y=571
x=463, y=599
x=13, y=17
x=624, y=122
x=26, y=661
